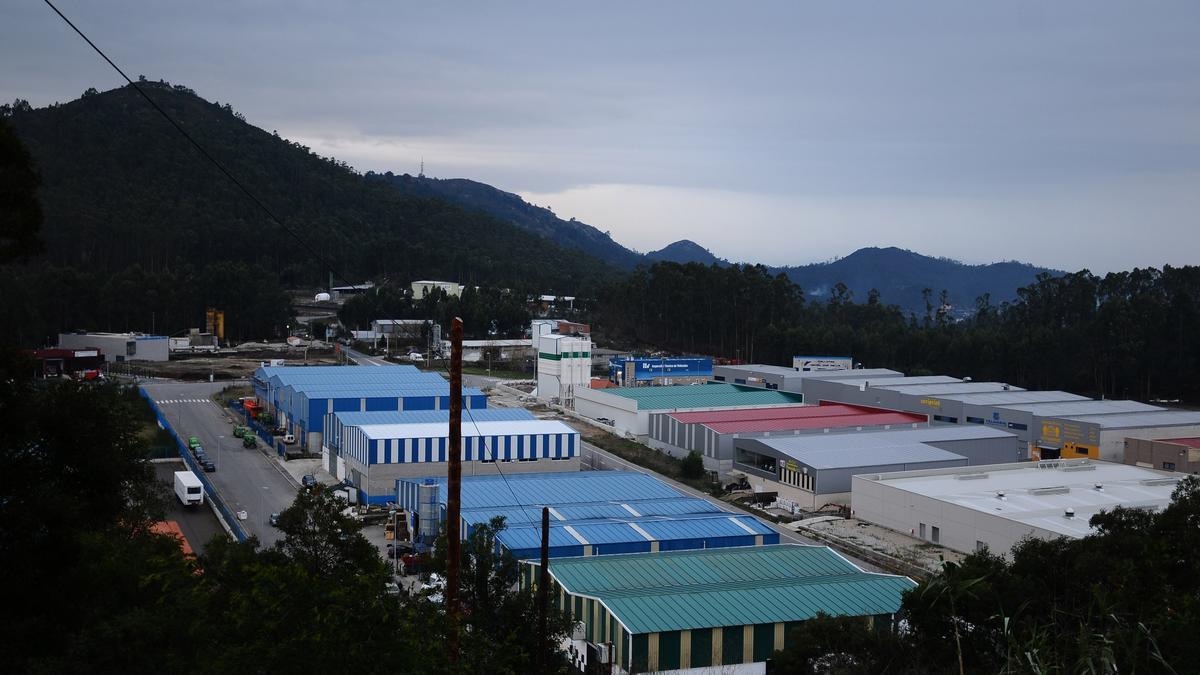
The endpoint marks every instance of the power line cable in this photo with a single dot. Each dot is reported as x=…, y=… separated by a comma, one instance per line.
x=259, y=203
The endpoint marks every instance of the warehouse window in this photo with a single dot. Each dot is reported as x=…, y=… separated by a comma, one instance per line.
x=1018, y=427
x=975, y=420
x=936, y=535
x=719, y=378
x=755, y=461
x=1168, y=466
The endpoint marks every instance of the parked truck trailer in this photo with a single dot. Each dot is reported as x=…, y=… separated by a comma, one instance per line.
x=188, y=488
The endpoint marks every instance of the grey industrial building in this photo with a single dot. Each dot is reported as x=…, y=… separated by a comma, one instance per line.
x=994, y=507
x=120, y=347
x=788, y=379
x=1103, y=436
x=815, y=470
x=711, y=433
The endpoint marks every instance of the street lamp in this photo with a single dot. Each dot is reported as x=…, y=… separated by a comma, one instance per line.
x=261, y=507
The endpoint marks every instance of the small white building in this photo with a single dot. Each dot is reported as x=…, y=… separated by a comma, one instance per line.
x=996, y=506
x=421, y=288
x=120, y=347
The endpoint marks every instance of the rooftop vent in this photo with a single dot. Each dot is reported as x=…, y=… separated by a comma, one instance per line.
x=1005, y=387
x=967, y=379
x=1000, y=494
x=1159, y=481
x=1070, y=512
x=971, y=476
x=1085, y=466
x=1054, y=490
x=1100, y=486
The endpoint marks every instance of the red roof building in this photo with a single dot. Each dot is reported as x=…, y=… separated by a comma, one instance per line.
x=711, y=433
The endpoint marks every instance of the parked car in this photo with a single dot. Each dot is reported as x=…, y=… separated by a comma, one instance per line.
x=308, y=480
x=240, y=431
x=197, y=450
x=201, y=457
x=400, y=548
x=274, y=519
x=289, y=439
x=209, y=467
x=193, y=442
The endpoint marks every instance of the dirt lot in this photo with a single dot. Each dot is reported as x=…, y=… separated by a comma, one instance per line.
x=229, y=367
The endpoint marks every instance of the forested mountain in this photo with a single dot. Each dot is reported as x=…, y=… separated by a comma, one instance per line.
x=901, y=277
x=685, y=251
x=140, y=232
x=512, y=209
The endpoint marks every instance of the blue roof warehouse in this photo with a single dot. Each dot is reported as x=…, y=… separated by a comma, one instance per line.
x=299, y=397
x=592, y=513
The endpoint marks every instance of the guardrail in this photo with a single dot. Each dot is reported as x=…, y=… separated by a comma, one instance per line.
x=231, y=521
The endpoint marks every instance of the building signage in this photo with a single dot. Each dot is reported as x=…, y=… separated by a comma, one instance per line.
x=814, y=363
x=931, y=402
x=792, y=465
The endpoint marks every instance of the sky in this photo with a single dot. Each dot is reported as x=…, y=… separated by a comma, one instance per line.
x=1065, y=134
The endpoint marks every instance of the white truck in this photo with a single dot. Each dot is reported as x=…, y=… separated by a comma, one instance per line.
x=188, y=488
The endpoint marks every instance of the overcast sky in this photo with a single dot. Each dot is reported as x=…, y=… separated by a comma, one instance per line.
x=1066, y=134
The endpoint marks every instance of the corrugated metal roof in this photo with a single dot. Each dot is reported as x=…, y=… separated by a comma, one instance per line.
x=859, y=373
x=770, y=370
x=898, y=381
x=570, y=513
x=683, y=590
x=947, y=388
x=882, y=439
x=702, y=396
x=478, y=428
x=782, y=412
x=1088, y=407
x=432, y=416
x=1016, y=397
x=568, y=487
x=838, y=458
x=834, y=422
x=610, y=531
x=1136, y=420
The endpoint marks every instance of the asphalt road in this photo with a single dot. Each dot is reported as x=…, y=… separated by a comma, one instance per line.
x=247, y=480
x=198, y=524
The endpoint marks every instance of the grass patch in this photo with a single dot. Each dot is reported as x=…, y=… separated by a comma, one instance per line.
x=655, y=460
x=233, y=391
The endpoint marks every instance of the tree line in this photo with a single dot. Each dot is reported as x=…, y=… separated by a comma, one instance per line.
x=486, y=312
x=90, y=587
x=1124, y=334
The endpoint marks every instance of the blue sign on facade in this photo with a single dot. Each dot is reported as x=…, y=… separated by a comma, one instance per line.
x=647, y=368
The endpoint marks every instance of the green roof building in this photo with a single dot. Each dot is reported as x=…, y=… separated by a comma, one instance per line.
x=628, y=408
x=712, y=607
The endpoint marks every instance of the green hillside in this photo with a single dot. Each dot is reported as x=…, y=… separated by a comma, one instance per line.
x=141, y=231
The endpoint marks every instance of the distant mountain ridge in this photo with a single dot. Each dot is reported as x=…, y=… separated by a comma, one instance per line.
x=511, y=208
x=898, y=274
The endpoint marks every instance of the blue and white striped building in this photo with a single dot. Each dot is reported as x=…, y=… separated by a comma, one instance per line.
x=372, y=450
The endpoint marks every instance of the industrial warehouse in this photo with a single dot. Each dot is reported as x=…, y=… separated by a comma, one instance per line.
x=628, y=409
x=968, y=509
x=592, y=513
x=815, y=470
x=709, y=608
x=372, y=449
x=299, y=397
x=712, y=433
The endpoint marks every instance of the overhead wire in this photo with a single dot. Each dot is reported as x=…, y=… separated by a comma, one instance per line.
x=309, y=248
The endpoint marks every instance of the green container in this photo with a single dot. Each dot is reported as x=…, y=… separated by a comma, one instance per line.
x=249, y=441
x=239, y=431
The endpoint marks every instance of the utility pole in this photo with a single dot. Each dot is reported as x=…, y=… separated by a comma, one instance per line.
x=544, y=594
x=454, y=486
